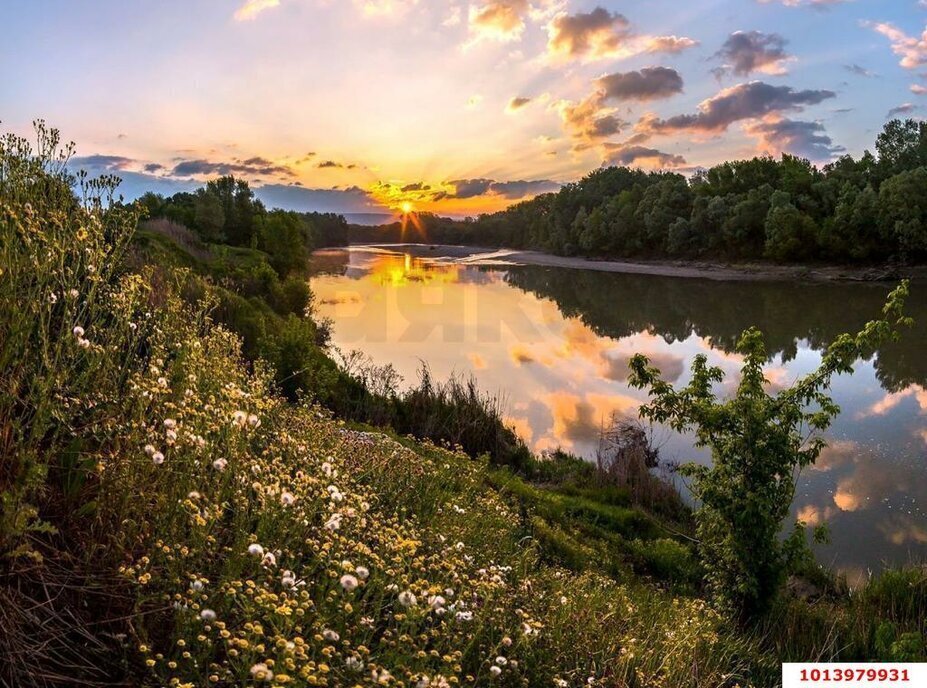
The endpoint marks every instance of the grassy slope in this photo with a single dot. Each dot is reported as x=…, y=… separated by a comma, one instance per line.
x=382, y=560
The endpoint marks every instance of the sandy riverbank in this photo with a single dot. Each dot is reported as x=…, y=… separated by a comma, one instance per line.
x=471, y=255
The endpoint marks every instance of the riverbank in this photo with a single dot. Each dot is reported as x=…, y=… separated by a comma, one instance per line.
x=485, y=256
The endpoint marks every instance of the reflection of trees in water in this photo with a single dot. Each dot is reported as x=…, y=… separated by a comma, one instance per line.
x=620, y=305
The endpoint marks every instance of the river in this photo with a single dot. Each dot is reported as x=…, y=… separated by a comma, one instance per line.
x=554, y=343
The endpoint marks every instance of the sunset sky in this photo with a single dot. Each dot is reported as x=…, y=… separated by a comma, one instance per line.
x=458, y=107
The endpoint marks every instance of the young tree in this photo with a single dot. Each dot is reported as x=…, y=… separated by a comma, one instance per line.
x=759, y=443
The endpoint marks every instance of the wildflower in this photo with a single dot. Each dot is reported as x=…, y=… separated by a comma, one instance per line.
x=73, y=293
x=254, y=421
x=150, y=450
x=330, y=635
x=269, y=559
x=170, y=437
x=327, y=469
x=348, y=582
x=170, y=423
x=162, y=382
x=436, y=602
x=423, y=682
x=407, y=599
x=197, y=585
x=194, y=495
x=494, y=670
x=239, y=418
x=53, y=298
x=260, y=672
x=83, y=343
x=220, y=464
x=157, y=458
x=255, y=550
x=288, y=579
x=362, y=572
x=507, y=641
x=287, y=498
x=354, y=664
x=78, y=332
x=208, y=615
x=333, y=523
x=464, y=616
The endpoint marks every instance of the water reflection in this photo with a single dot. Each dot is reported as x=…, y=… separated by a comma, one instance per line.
x=555, y=343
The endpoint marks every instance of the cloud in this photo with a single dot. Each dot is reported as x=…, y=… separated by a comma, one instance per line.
x=350, y=200
x=918, y=89
x=255, y=166
x=500, y=20
x=745, y=101
x=640, y=156
x=104, y=163
x=596, y=34
x=252, y=8
x=512, y=190
x=816, y=4
x=152, y=167
x=903, y=109
x=601, y=34
x=859, y=71
x=589, y=120
x=516, y=104
x=912, y=51
x=805, y=139
x=668, y=44
x=649, y=83
x=745, y=52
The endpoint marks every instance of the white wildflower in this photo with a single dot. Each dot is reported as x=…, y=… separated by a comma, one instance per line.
x=348, y=582
x=255, y=550
x=260, y=672
x=208, y=615
x=407, y=599
x=157, y=458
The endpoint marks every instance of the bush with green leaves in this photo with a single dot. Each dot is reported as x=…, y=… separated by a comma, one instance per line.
x=759, y=442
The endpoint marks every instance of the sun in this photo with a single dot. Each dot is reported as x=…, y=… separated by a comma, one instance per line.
x=406, y=207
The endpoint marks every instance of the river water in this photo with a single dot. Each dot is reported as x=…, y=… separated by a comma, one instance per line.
x=554, y=344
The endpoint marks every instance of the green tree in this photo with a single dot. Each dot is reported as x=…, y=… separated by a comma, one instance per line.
x=209, y=217
x=759, y=442
x=903, y=212
x=790, y=234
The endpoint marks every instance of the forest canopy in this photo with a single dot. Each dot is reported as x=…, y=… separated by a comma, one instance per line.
x=865, y=210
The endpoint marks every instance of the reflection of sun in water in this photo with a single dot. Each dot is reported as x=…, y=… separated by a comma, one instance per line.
x=406, y=207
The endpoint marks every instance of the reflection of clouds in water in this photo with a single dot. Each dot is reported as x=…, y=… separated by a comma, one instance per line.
x=580, y=420
x=615, y=365
x=904, y=529
x=522, y=428
x=813, y=515
x=892, y=399
x=477, y=361
x=341, y=299
x=559, y=356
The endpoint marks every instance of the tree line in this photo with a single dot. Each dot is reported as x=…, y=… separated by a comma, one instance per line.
x=865, y=210
x=225, y=211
